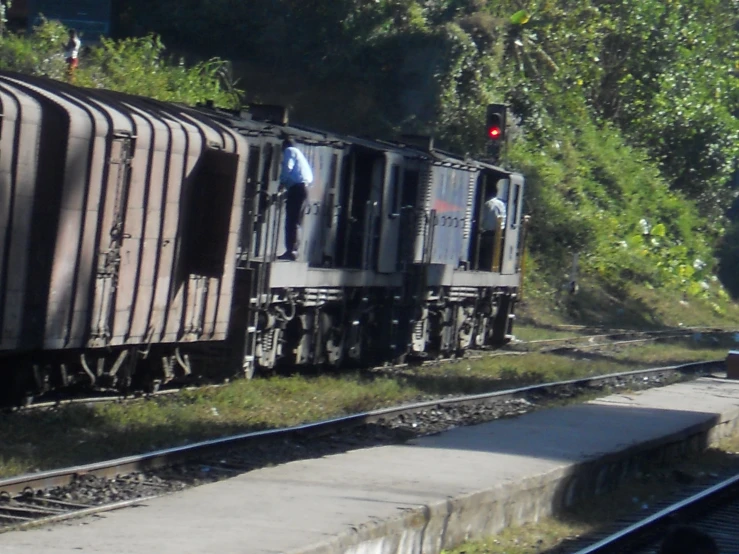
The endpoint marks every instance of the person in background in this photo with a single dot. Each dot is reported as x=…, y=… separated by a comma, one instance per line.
x=491, y=211
x=684, y=539
x=71, y=53
x=296, y=177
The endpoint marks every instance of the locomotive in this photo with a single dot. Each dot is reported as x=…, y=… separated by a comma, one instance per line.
x=139, y=243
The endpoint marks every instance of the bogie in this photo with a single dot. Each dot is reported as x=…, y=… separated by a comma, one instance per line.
x=139, y=246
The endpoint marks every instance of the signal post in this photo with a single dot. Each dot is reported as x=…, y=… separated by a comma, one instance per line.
x=496, y=131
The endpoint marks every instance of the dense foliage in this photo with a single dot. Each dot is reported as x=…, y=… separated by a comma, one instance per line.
x=624, y=110
x=663, y=70
x=132, y=65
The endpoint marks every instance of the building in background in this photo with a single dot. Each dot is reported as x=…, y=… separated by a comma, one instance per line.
x=92, y=18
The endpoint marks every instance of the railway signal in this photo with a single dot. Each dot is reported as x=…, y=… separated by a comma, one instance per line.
x=495, y=128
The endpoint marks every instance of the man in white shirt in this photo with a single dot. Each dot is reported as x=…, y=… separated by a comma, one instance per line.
x=72, y=52
x=492, y=210
x=296, y=177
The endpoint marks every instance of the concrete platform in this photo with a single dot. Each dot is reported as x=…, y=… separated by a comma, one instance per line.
x=417, y=498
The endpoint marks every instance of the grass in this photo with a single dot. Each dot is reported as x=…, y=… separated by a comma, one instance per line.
x=552, y=534
x=32, y=441
x=629, y=306
x=83, y=433
x=73, y=434
x=532, y=332
x=474, y=376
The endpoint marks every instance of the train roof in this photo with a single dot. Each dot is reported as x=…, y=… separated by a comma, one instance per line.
x=491, y=167
x=271, y=122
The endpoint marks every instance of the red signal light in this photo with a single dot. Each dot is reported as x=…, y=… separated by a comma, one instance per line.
x=494, y=132
x=495, y=128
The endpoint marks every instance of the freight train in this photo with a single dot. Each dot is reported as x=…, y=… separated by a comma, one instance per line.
x=139, y=244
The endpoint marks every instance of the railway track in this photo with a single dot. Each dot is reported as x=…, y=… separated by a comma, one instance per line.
x=51, y=496
x=619, y=338
x=588, y=342
x=613, y=338
x=714, y=510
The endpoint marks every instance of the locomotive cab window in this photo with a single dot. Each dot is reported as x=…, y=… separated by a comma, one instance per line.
x=409, y=196
x=514, y=207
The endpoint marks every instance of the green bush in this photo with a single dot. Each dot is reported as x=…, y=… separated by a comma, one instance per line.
x=138, y=66
x=728, y=270
x=623, y=112
x=589, y=193
x=41, y=53
x=132, y=65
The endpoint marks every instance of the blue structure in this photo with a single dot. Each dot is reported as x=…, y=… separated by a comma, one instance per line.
x=91, y=18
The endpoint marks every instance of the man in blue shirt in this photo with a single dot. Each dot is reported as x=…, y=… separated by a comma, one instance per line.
x=296, y=177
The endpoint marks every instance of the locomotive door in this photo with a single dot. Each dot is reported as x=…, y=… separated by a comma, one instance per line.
x=310, y=233
x=251, y=205
x=390, y=222
x=513, y=227
x=264, y=209
x=361, y=193
x=111, y=238
x=480, y=251
x=331, y=212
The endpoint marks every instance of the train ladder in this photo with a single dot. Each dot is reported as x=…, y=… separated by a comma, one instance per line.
x=403, y=303
x=259, y=284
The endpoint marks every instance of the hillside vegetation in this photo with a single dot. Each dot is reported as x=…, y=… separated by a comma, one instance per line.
x=624, y=110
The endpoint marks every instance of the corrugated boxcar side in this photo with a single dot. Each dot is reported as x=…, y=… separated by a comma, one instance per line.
x=209, y=223
x=103, y=200
x=150, y=227
x=215, y=192
x=233, y=217
x=72, y=261
x=99, y=180
x=20, y=129
x=160, y=297
x=105, y=213
x=132, y=320
x=61, y=156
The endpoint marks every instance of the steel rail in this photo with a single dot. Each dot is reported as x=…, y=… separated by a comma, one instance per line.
x=643, y=530
x=109, y=398
x=651, y=335
x=82, y=512
x=580, y=342
x=172, y=456
x=614, y=343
